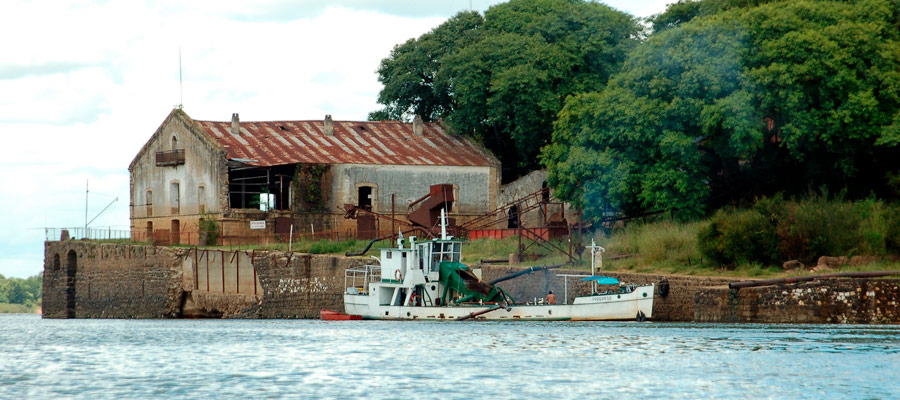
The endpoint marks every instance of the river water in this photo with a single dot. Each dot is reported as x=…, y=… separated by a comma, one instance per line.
x=410, y=360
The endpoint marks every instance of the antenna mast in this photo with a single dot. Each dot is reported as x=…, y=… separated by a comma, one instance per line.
x=180, y=82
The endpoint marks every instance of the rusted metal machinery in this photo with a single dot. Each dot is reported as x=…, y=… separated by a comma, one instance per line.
x=422, y=214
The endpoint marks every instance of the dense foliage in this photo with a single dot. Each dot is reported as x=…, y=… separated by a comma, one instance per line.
x=504, y=77
x=730, y=100
x=21, y=291
x=775, y=230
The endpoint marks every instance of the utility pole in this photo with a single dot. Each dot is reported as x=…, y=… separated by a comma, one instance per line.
x=86, y=191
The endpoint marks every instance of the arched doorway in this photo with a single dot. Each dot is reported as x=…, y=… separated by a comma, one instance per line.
x=71, y=271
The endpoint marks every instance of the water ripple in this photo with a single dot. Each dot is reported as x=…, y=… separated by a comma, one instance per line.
x=315, y=359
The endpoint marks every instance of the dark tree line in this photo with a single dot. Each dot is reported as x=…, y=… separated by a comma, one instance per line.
x=21, y=291
x=722, y=101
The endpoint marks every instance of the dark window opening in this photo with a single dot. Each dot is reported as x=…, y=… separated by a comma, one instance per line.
x=176, y=231
x=71, y=273
x=56, y=262
x=283, y=128
x=260, y=188
x=364, y=197
x=545, y=193
x=513, y=218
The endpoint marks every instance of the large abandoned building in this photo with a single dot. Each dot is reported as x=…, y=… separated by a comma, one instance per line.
x=298, y=173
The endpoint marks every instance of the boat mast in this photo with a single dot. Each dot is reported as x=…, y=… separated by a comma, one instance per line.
x=594, y=250
x=443, y=225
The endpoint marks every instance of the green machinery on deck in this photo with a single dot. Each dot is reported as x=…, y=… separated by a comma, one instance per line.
x=461, y=285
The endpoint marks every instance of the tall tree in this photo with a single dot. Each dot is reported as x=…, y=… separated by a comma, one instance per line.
x=505, y=83
x=742, y=102
x=411, y=73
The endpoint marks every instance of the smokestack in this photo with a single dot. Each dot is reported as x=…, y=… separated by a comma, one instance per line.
x=235, y=124
x=329, y=125
x=418, y=126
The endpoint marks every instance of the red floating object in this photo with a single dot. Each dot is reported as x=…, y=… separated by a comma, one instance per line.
x=328, y=315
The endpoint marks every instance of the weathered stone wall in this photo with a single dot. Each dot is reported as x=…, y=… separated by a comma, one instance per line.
x=111, y=281
x=528, y=184
x=91, y=280
x=129, y=281
x=677, y=305
x=846, y=301
x=201, y=181
x=300, y=285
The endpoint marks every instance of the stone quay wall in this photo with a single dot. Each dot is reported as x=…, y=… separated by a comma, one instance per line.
x=845, y=301
x=89, y=280
x=93, y=280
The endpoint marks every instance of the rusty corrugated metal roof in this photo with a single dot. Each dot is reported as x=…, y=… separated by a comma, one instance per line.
x=271, y=143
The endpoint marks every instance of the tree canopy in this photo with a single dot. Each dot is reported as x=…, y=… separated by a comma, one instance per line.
x=21, y=291
x=504, y=77
x=728, y=102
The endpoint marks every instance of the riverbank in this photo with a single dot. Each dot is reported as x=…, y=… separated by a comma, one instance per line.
x=9, y=308
x=92, y=280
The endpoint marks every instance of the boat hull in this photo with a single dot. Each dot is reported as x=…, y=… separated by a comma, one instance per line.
x=637, y=304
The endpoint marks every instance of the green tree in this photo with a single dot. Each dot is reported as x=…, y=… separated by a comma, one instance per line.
x=504, y=80
x=745, y=101
x=4, y=290
x=411, y=74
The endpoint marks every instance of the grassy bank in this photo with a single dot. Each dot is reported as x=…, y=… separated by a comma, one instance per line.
x=743, y=242
x=9, y=308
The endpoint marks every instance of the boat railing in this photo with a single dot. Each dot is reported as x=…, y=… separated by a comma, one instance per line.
x=357, y=280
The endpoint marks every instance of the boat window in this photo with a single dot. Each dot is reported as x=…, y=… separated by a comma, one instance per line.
x=388, y=256
x=435, y=247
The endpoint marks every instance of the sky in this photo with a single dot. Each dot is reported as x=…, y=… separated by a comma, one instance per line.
x=85, y=83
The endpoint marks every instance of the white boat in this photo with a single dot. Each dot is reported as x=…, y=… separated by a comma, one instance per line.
x=426, y=281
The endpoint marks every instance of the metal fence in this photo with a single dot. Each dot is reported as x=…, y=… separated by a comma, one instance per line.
x=80, y=233
x=165, y=237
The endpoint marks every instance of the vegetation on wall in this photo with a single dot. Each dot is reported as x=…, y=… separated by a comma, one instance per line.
x=307, y=187
x=209, y=230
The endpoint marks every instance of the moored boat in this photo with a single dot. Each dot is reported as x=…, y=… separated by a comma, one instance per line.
x=426, y=281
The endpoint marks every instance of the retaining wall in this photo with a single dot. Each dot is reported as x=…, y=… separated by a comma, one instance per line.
x=846, y=301
x=91, y=280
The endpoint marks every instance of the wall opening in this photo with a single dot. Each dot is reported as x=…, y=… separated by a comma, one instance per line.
x=71, y=272
x=512, y=220
x=201, y=199
x=149, y=203
x=56, y=262
x=174, y=143
x=150, y=231
x=176, y=231
x=175, y=197
x=364, y=197
x=260, y=188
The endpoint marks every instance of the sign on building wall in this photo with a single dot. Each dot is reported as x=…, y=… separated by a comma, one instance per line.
x=258, y=224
